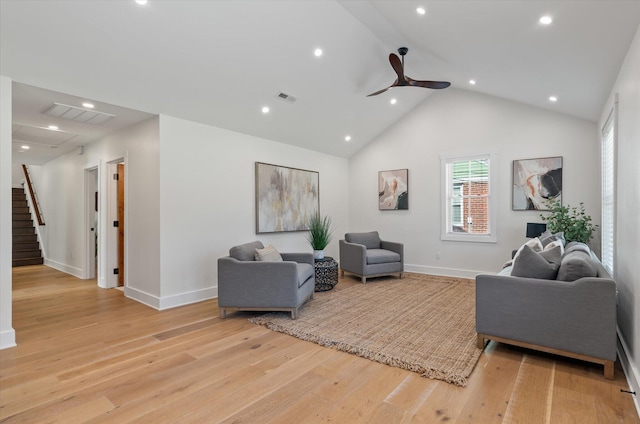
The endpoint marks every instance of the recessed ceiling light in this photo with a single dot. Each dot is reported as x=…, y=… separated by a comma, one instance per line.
x=265, y=109
x=52, y=127
x=472, y=82
x=88, y=105
x=317, y=52
x=553, y=99
x=141, y=2
x=393, y=101
x=347, y=138
x=25, y=147
x=546, y=20
x=421, y=11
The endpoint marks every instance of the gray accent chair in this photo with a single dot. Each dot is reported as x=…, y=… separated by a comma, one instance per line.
x=247, y=284
x=574, y=318
x=366, y=255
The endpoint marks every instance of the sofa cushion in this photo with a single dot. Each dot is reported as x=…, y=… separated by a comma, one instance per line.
x=576, y=264
x=577, y=246
x=268, y=254
x=245, y=252
x=381, y=256
x=305, y=271
x=370, y=240
x=532, y=264
x=547, y=237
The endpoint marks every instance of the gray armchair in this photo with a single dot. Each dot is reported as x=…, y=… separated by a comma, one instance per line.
x=247, y=284
x=365, y=255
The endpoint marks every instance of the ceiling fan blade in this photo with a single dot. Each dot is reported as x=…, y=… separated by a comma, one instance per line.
x=379, y=92
x=396, y=64
x=436, y=85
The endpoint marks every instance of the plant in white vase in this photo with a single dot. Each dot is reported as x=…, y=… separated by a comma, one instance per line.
x=319, y=234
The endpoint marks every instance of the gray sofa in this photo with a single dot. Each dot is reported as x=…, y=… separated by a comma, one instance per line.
x=248, y=284
x=366, y=255
x=573, y=315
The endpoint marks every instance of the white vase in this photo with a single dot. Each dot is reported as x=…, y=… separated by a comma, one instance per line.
x=318, y=254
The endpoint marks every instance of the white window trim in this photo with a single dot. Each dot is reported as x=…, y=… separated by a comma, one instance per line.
x=492, y=200
x=610, y=122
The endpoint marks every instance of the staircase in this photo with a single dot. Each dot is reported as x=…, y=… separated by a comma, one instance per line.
x=26, y=249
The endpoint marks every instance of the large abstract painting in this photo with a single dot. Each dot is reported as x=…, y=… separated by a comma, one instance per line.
x=393, y=189
x=535, y=182
x=285, y=198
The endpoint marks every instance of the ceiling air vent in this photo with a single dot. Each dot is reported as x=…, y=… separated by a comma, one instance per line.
x=78, y=114
x=287, y=97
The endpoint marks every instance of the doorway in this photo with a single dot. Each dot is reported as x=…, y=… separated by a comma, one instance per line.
x=91, y=222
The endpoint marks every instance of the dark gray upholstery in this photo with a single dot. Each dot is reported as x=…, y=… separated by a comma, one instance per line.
x=366, y=255
x=576, y=317
x=271, y=286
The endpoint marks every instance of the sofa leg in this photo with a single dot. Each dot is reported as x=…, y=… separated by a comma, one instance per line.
x=223, y=313
x=341, y=272
x=608, y=370
x=480, y=341
x=363, y=279
x=401, y=275
x=294, y=313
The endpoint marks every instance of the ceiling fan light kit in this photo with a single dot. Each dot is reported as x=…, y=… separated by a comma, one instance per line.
x=403, y=80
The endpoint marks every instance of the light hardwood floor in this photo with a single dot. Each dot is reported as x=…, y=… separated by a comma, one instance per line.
x=86, y=354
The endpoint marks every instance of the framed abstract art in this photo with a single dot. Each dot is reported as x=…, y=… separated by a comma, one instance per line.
x=535, y=182
x=285, y=198
x=393, y=189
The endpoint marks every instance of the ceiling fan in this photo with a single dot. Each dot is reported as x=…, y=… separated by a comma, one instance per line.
x=404, y=80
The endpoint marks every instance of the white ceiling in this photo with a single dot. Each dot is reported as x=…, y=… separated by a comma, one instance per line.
x=220, y=62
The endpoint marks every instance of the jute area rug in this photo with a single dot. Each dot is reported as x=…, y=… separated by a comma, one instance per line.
x=421, y=323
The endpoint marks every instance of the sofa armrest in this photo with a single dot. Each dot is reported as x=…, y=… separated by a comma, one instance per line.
x=353, y=257
x=394, y=247
x=306, y=258
x=254, y=283
x=577, y=316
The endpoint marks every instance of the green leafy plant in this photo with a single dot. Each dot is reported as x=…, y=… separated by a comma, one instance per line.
x=319, y=231
x=573, y=221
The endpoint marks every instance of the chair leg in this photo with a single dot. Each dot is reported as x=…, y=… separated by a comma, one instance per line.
x=608, y=370
x=294, y=313
x=363, y=279
x=223, y=313
x=480, y=341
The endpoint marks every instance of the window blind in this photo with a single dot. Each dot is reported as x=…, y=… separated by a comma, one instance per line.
x=608, y=192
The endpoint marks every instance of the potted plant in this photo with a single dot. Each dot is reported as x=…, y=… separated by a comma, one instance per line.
x=574, y=222
x=319, y=234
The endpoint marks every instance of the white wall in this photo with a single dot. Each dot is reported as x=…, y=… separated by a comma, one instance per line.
x=207, y=201
x=461, y=122
x=60, y=184
x=627, y=248
x=7, y=334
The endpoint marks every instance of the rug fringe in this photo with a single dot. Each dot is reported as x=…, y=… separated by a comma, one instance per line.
x=433, y=374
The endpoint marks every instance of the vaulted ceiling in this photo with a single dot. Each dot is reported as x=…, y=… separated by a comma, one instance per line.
x=221, y=62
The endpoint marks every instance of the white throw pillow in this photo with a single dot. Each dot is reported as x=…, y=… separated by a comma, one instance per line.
x=268, y=254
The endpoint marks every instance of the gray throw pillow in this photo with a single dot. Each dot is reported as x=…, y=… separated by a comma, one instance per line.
x=547, y=237
x=577, y=264
x=531, y=264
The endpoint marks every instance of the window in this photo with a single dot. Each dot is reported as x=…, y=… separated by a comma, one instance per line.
x=608, y=189
x=468, y=204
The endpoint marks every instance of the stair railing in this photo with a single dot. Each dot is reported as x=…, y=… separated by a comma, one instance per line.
x=34, y=198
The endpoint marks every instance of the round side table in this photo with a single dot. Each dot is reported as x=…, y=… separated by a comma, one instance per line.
x=326, y=273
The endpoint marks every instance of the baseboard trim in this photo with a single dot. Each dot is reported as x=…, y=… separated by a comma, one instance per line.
x=187, y=298
x=168, y=302
x=76, y=272
x=447, y=272
x=629, y=368
x=8, y=339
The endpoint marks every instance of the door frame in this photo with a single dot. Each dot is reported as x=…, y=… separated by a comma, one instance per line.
x=91, y=184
